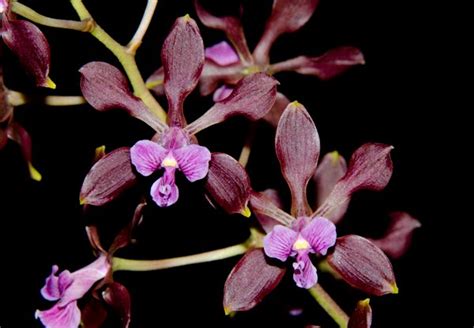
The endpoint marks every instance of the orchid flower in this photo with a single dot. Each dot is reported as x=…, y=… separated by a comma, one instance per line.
x=10, y=129
x=66, y=289
x=357, y=260
x=173, y=148
x=28, y=43
x=226, y=64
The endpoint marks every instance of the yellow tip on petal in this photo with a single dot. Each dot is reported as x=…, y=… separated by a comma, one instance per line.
x=295, y=103
x=49, y=83
x=99, y=152
x=365, y=302
x=335, y=157
x=394, y=288
x=82, y=201
x=152, y=84
x=246, y=212
x=34, y=174
x=228, y=311
x=187, y=18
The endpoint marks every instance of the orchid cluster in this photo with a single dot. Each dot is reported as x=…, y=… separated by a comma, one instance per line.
x=304, y=240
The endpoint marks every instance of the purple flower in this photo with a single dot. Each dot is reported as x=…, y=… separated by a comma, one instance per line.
x=173, y=148
x=225, y=64
x=304, y=237
x=174, y=152
x=28, y=43
x=67, y=288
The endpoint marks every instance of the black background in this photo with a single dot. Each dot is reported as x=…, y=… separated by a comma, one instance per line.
x=390, y=100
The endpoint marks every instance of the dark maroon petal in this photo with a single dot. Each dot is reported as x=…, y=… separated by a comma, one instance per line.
x=363, y=265
x=287, y=16
x=231, y=26
x=93, y=314
x=273, y=116
x=18, y=134
x=362, y=315
x=118, y=298
x=327, y=66
x=183, y=58
x=398, y=236
x=252, y=98
x=370, y=167
x=155, y=82
x=125, y=236
x=106, y=88
x=228, y=184
x=330, y=170
x=108, y=178
x=266, y=221
x=263, y=206
x=250, y=281
x=214, y=76
x=29, y=44
x=297, y=149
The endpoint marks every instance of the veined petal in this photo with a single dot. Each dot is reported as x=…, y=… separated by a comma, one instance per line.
x=108, y=178
x=250, y=281
x=362, y=315
x=329, y=171
x=287, y=16
x=231, y=26
x=370, y=167
x=279, y=242
x=320, y=233
x=397, y=238
x=29, y=44
x=68, y=316
x=106, y=88
x=267, y=222
x=84, y=279
x=304, y=275
x=331, y=64
x=252, y=98
x=147, y=156
x=193, y=161
x=297, y=149
x=222, y=54
x=221, y=93
x=228, y=184
x=55, y=286
x=183, y=58
x=164, y=191
x=363, y=265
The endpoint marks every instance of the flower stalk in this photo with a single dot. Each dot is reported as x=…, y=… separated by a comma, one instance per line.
x=329, y=305
x=136, y=40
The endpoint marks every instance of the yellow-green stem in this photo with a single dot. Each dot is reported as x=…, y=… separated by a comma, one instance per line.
x=329, y=305
x=27, y=12
x=136, y=41
x=16, y=98
x=121, y=264
x=125, y=58
x=247, y=148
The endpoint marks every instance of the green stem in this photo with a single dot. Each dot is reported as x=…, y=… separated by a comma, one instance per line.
x=121, y=264
x=143, y=27
x=27, y=12
x=329, y=305
x=247, y=148
x=125, y=58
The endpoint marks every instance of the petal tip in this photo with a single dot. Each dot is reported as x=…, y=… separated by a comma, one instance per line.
x=186, y=18
x=246, y=212
x=48, y=83
x=365, y=302
x=394, y=288
x=34, y=174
